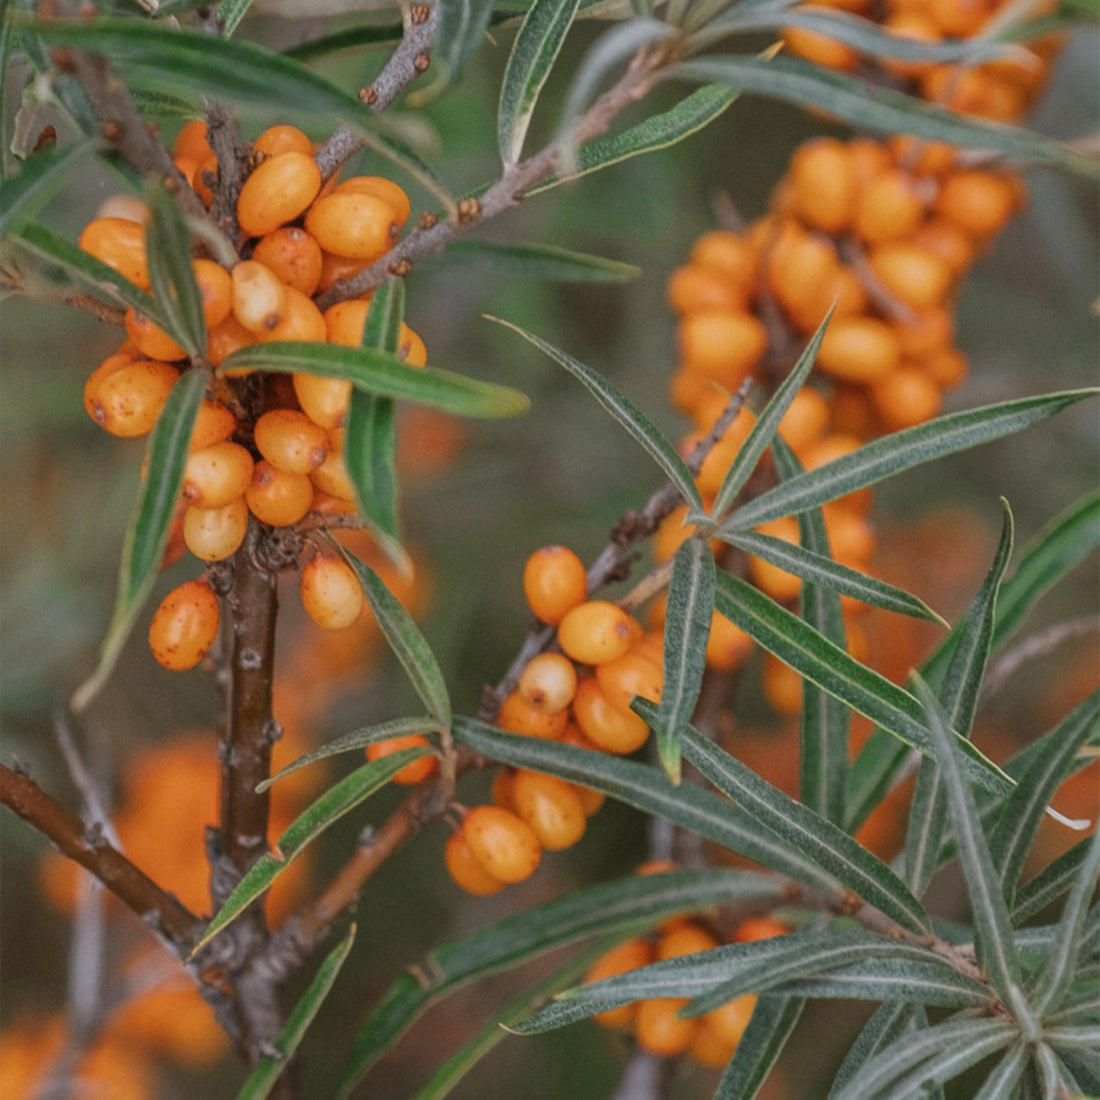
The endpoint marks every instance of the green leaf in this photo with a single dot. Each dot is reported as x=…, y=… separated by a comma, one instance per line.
x=462, y=26
x=647, y=789
x=385, y=375
x=409, y=645
x=804, y=829
x=231, y=12
x=338, y=800
x=359, y=739
x=147, y=533
x=770, y=1025
x=952, y=1037
x=958, y=695
x=767, y=424
x=1084, y=1070
x=687, y=628
x=632, y=419
x=870, y=107
x=820, y=569
x=1024, y=808
x=658, y=131
x=925, y=1080
x=1002, y=1080
x=996, y=951
x=270, y=1067
x=534, y=52
x=825, y=722
x=625, y=907
x=891, y=1020
x=827, y=665
x=900, y=451
x=168, y=245
x=40, y=176
x=534, y=261
x=368, y=36
x=1050, y=883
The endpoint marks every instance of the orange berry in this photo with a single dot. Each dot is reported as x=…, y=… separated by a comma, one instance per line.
x=805, y=420
x=685, y=938
x=924, y=158
x=693, y=287
x=798, y=265
x=128, y=400
x=595, y=631
x=620, y=960
x=331, y=592
x=344, y=322
x=759, y=928
x=516, y=715
x=191, y=141
x=301, y=320
x=380, y=188
x=947, y=240
x=823, y=184
x=216, y=288
x=504, y=844
x=782, y=686
x=104, y=370
x=947, y=368
x=629, y=675
x=324, y=400
x=591, y=799
x=501, y=790
x=728, y=1021
x=259, y=299
x=721, y=345
x=820, y=49
x=276, y=497
x=870, y=158
x=332, y=475
x=213, y=424
x=776, y=582
x=931, y=331
x=890, y=206
x=185, y=625
x=976, y=201
x=554, y=582
x=907, y=397
x=731, y=254
x=278, y=191
x=858, y=349
x=465, y=869
x=335, y=268
x=842, y=291
x=276, y=140
x=120, y=244
x=293, y=255
x=215, y=475
x=960, y=18
x=917, y=26
x=128, y=207
x=410, y=774
x=224, y=339
x=548, y=682
x=411, y=348
x=213, y=534
x=912, y=274
x=606, y=726
x=728, y=646
x=359, y=226
x=707, y=1047
x=291, y=441
x=551, y=806
x=152, y=340
x=659, y=1029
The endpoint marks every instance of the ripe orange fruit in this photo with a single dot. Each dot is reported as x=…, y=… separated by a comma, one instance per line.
x=128, y=400
x=554, y=582
x=595, y=631
x=120, y=244
x=516, y=715
x=301, y=320
x=695, y=286
x=629, y=675
x=293, y=255
x=356, y=225
x=215, y=475
x=858, y=349
x=410, y=774
x=216, y=289
x=214, y=423
x=291, y=441
x=276, y=497
x=465, y=869
x=323, y=400
x=912, y=274
x=548, y=683
x=823, y=184
x=185, y=625
x=380, y=188
x=276, y=140
x=504, y=845
x=213, y=534
x=151, y=340
x=331, y=592
x=619, y=960
x=280, y=189
x=685, y=938
x=722, y=345
x=606, y=726
x=551, y=806
x=259, y=299
x=658, y=1028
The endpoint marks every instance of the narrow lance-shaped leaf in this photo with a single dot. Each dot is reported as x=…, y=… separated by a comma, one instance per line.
x=462, y=26
x=996, y=951
x=632, y=419
x=519, y=260
x=1050, y=884
x=1007, y=1072
x=168, y=246
x=148, y=531
x=343, y=796
x=270, y=1067
x=383, y=374
x=767, y=423
x=900, y=451
x=40, y=175
x=687, y=628
x=772, y=1021
x=864, y=690
x=534, y=52
x=231, y=12
x=825, y=722
x=890, y=1021
x=793, y=80
x=958, y=695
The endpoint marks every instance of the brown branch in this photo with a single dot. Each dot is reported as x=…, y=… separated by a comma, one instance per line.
x=87, y=846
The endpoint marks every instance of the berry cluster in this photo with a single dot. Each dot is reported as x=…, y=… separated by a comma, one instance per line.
x=269, y=448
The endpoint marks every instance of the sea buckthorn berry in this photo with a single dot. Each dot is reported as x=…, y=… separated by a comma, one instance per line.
x=276, y=497
x=708, y=1049
x=685, y=938
x=128, y=207
x=906, y=398
x=759, y=928
x=332, y=475
x=805, y=420
x=921, y=157
x=516, y=715
x=551, y=806
x=912, y=274
x=501, y=793
x=120, y=244
x=548, y=683
x=947, y=368
x=105, y=369
x=212, y=534
x=324, y=400
x=798, y=267
x=731, y=254
x=926, y=333
x=213, y=424
x=842, y=291
x=277, y=192
x=782, y=686
x=659, y=1029
x=722, y=345
x=276, y=140
x=206, y=169
x=728, y=1022
x=411, y=348
x=380, y=188
x=891, y=206
x=258, y=297
x=858, y=349
x=185, y=625
x=693, y=287
x=345, y=321
x=301, y=320
x=293, y=255
x=591, y=799
x=465, y=870
x=217, y=474
x=224, y=339
x=851, y=538
x=151, y=339
x=776, y=582
x=554, y=582
x=728, y=646
x=504, y=844
x=216, y=289
x=331, y=592
x=335, y=269
x=949, y=241
x=917, y=26
x=619, y=960
x=191, y=141
x=976, y=201
x=960, y=18
x=291, y=441
x=359, y=226
x=629, y=675
x=595, y=631
x=820, y=49
x=410, y=774
x=128, y=400
x=606, y=726
x=823, y=184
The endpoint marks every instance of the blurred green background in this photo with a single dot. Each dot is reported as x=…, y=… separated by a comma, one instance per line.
x=564, y=473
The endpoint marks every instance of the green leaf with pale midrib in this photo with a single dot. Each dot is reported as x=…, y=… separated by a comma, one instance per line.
x=40, y=175
x=534, y=261
x=168, y=248
x=384, y=374
x=772, y=1021
x=890, y=1021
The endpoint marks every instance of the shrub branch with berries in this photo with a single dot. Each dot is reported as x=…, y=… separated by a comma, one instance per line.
x=259, y=288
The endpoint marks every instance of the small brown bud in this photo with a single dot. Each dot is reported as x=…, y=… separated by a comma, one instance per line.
x=62, y=59
x=427, y=220
x=419, y=13
x=111, y=131
x=469, y=210
x=401, y=268
x=421, y=62
x=368, y=96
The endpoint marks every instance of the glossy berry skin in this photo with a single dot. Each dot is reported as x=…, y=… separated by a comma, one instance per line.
x=465, y=869
x=659, y=1029
x=629, y=675
x=259, y=298
x=619, y=960
x=551, y=806
x=504, y=845
x=291, y=441
x=548, y=683
x=606, y=726
x=280, y=189
x=212, y=534
x=359, y=226
x=185, y=625
x=516, y=715
x=381, y=188
x=323, y=400
x=128, y=401
x=215, y=475
x=595, y=631
x=410, y=774
x=277, y=498
x=151, y=340
x=293, y=255
x=554, y=582
x=120, y=244
x=331, y=592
